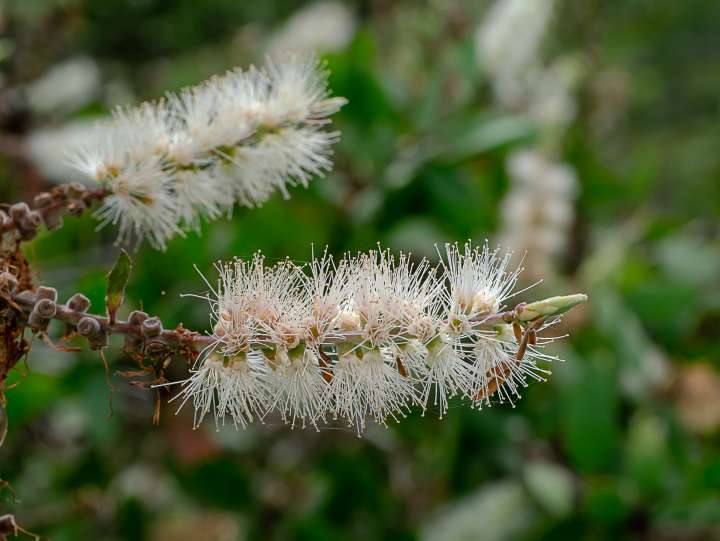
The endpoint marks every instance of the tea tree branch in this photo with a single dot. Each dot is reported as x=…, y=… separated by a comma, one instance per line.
x=23, y=221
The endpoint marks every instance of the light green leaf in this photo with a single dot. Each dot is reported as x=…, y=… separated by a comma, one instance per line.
x=117, y=279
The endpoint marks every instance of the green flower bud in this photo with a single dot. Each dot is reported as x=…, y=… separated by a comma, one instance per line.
x=553, y=306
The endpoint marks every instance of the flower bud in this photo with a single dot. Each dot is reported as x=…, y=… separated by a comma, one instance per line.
x=37, y=322
x=88, y=326
x=76, y=189
x=151, y=327
x=42, y=199
x=554, y=306
x=78, y=303
x=44, y=292
x=18, y=211
x=32, y=220
x=76, y=207
x=136, y=317
x=46, y=308
x=134, y=342
x=25, y=297
x=91, y=329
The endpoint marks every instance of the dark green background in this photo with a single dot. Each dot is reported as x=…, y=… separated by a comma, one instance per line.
x=598, y=452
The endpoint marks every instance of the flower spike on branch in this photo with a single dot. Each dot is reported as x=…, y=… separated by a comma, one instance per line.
x=368, y=337
x=236, y=138
x=397, y=334
x=159, y=168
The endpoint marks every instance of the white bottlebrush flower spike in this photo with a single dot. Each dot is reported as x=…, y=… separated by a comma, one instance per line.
x=237, y=138
x=368, y=337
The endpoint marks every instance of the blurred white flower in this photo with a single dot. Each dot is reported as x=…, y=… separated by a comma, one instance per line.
x=508, y=44
x=552, y=102
x=49, y=148
x=145, y=482
x=65, y=87
x=324, y=26
x=551, y=485
x=498, y=512
x=538, y=211
x=236, y=138
x=141, y=204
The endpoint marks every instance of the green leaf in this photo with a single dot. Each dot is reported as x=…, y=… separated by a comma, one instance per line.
x=117, y=279
x=474, y=135
x=590, y=412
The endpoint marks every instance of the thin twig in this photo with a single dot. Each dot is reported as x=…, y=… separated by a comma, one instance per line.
x=176, y=337
x=48, y=208
x=180, y=336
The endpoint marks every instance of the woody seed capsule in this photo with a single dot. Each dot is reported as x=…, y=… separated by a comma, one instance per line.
x=88, y=326
x=151, y=327
x=46, y=308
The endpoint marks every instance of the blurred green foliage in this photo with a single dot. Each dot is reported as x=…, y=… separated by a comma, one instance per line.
x=623, y=440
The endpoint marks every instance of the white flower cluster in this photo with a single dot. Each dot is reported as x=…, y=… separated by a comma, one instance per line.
x=538, y=211
x=367, y=337
x=508, y=44
x=235, y=138
x=322, y=26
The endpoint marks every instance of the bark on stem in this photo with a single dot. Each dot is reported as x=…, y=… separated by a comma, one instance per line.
x=48, y=209
x=139, y=326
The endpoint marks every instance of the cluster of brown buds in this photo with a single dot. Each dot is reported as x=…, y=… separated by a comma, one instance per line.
x=48, y=209
x=144, y=335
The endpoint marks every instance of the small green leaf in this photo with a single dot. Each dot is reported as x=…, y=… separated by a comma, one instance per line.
x=117, y=279
x=3, y=424
x=554, y=306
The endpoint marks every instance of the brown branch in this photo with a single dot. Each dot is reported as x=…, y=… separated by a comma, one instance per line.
x=40, y=307
x=48, y=209
x=144, y=335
